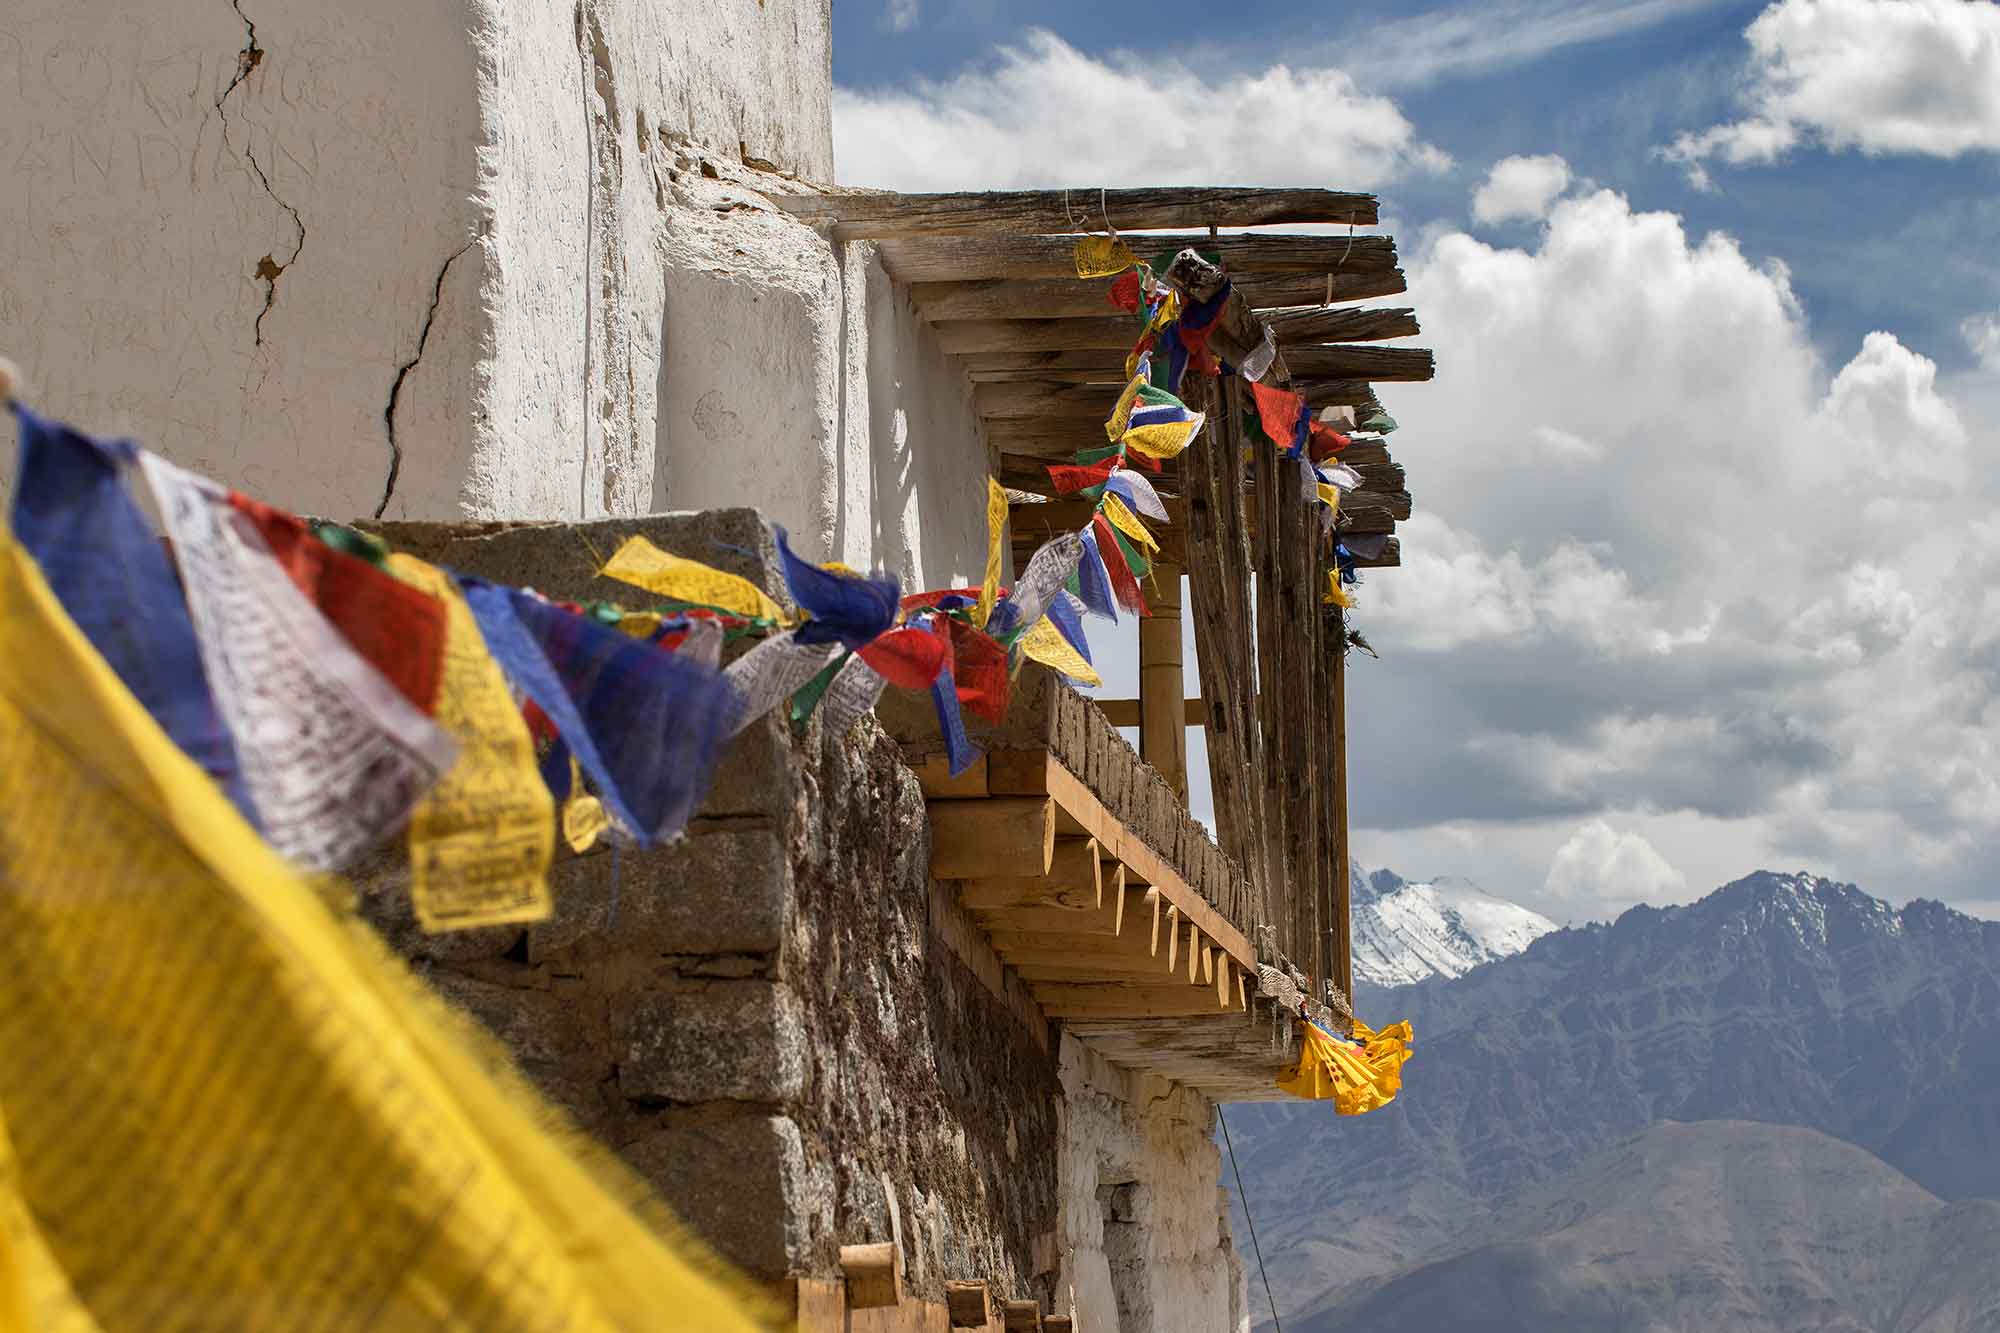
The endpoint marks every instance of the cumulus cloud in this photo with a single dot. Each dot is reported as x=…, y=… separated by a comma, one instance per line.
x=1883, y=76
x=1668, y=564
x=1520, y=189
x=1043, y=113
x=1982, y=335
x=1598, y=865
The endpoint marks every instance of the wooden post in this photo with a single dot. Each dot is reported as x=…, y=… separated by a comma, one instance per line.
x=1162, y=729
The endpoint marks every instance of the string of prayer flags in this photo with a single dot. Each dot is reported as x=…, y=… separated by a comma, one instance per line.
x=334, y=755
x=1161, y=425
x=996, y=537
x=773, y=672
x=1358, y=1075
x=689, y=582
x=1102, y=256
x=398, y=628
x=74, y=516
x=1124, y=583
x=225, y=1103
x=841, y=606
x=1048, y=570
x=480, y=841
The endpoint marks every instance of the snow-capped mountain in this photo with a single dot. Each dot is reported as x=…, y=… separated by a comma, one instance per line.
x=1407, y=930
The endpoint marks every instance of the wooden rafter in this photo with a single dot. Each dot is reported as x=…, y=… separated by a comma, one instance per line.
x=875, y=215
x=1067, y=297
x=965, y=258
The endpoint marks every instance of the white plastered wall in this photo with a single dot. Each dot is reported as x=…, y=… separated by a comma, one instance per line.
x=1143, y=1226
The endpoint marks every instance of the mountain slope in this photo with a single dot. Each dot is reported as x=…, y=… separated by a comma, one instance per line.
x=1778, y=998
x=1723, y=1224
x=1406, y=931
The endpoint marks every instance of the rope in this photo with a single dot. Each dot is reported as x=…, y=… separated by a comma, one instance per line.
x=1255, y=1248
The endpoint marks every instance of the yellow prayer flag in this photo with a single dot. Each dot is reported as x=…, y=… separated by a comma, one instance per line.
x=1357, y=1077
x=644, y=565
x=639, y=624
x=1127, y=522
x=1102, y=256
x=481, y=840
x=996, y=535
x=1121, y=411
x=1164, y=439
x=1335, y=595
x=285, y=1128
x=1044, y=643
x=1329, y=495
x=584, y=820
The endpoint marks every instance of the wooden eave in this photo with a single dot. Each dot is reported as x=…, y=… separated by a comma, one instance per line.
x=994, y=275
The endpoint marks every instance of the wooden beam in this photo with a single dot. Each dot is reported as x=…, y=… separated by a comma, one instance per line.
x=1070, y=297
x=1125, y=712
x=966, y=1304
x=960, y=337
x=876, y=215
x=874, y=1274
x=971, y=839
x=1089, y=365
x=1332, y=324
x=1162, y=722
x=934, y=775
x=1045, y=398
x=1117, y=999
x=965, y=258
x=1074, y=881
x=1377, y=365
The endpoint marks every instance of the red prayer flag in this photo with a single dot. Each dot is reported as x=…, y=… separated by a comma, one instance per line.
x=1326, y=442
x=1124, y=293
x=1279, y=412
x=397, y=628
x=1124, y=584
x=1069, y=478
x=909, y=658
x=979, y=667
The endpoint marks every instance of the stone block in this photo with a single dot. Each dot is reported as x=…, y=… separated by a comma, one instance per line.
x=741, y=1041
x=713, y=892
x=743, y=1182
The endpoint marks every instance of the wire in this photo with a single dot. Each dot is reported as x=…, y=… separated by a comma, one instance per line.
x=1256, y=1249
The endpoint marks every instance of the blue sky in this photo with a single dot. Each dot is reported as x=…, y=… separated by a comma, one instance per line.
x=1699, y=576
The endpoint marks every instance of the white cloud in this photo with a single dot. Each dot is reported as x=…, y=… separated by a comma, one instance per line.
x=1666, y=563
x=1982, y=335
x=899, y=15
x=1044, y=114
x=1600, y=865
x=1883, y=76
x=1520, y=188
x=1435, y=44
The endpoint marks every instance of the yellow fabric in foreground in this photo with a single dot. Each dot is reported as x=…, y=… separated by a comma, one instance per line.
x=226, y=1106
x=644, y=565
x=481, y=840
x=1355, y=1081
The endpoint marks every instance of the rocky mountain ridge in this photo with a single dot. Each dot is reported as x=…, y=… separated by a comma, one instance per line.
x=1406, y=931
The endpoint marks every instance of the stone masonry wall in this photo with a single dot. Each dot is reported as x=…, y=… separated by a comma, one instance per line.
x=768, y=1028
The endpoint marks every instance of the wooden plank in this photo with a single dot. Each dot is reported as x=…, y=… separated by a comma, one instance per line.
x=1042, y=967
x=1125, y=712
x=878, y=215
x=1087, y=365
x=1335, y=324
x=1347, y=361
x=1070, y=297
x=1018, y=772
x=960, y=337
x=935, y=777
x=1074, y=881
x=1109, y=999
x=962, y=937
x=822, y=1305
x=965, y=258
x=1045, y=398
x=975, y=839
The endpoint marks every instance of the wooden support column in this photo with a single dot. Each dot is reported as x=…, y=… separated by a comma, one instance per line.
x=1162, y=728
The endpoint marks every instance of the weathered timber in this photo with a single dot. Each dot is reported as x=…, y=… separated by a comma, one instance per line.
x=1043, y=399
x=966, y=1303
x=1022, y=1317
x=1125, y=712
x=875, y=215
x=1162, y=728
x=1112, y=999
x=1336, y=393
x=1332, y=324
x=934, y=775
x=964, y=258
x=1343, y=939
x=874, y=1274
x=1238, y=331
x=961, y=337
x=1377, y=365
x=1090, y=365
x=1070, y=297
x=970, y=839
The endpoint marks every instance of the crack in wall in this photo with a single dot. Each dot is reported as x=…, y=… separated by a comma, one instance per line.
x=268, y=269
x=402, y=373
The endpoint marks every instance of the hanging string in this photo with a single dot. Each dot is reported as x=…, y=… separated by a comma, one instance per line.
x=1255, y=1248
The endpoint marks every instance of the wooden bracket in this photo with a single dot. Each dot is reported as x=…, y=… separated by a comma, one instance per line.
x=874, y=1274
x=1023, y=1317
